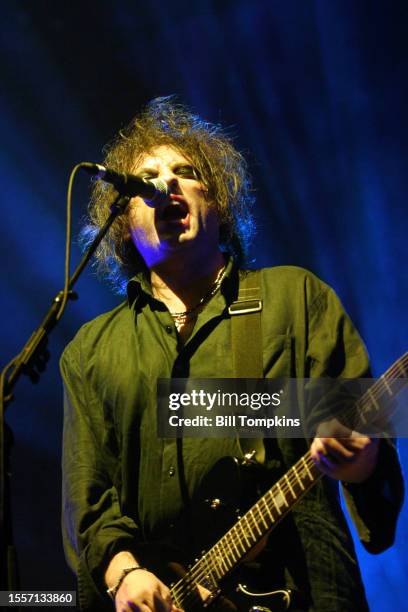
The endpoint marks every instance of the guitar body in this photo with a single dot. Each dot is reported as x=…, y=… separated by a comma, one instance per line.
x=225, y=493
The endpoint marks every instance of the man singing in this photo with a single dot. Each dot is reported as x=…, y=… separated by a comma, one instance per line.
x=182, y=265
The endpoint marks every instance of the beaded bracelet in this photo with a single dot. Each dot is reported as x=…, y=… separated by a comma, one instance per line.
x=113, y=590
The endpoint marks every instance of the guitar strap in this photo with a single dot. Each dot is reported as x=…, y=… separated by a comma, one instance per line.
x=246, y=329
x=246, y=341
x=246, y=344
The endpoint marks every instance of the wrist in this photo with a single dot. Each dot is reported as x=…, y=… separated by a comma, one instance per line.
x=122, y=560
x=125, y=571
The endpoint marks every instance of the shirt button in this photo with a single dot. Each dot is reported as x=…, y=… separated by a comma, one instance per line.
x=169, y=329
x=172, y=471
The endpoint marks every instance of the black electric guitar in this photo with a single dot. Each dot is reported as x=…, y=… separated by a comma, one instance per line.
x=216, y=564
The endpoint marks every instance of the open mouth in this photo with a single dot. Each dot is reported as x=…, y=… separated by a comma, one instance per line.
x=176, y=210
x=173, y=212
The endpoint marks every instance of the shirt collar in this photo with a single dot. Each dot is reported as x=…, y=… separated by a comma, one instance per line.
x=140, y=283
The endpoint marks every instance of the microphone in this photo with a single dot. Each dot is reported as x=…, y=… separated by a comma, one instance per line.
x=153, y=191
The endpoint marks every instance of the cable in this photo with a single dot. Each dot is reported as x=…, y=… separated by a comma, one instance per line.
x=66, y=289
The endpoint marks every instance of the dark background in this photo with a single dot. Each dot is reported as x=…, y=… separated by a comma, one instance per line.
x=316, y=93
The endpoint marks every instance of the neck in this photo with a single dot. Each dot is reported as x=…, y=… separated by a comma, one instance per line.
x=182, y=284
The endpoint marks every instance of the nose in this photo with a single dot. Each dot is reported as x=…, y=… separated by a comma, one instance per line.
x=172, y=182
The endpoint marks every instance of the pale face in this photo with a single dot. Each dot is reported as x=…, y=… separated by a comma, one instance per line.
x=185, y=223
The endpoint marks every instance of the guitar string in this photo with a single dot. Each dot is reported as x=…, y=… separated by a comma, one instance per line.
x=232, y=536
x=290, y=480
x=379, y=387
x=196, y=573
x=199, y=573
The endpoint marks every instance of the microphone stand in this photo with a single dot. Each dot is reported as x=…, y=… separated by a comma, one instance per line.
x=31, y=361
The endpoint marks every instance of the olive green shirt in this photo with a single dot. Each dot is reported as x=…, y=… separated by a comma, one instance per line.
x=121, y=483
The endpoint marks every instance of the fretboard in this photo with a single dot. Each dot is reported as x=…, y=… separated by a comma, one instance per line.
x=261, y=518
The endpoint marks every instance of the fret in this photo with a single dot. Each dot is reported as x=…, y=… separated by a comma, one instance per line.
x=373, y=400
x=241, y=526
x=223, y=543
x=215, y=562
x=400, y=366
x=290, y=486
x=267, y=508
x=295, y=471
x=204, y=562
x=363, y=420
x=254, y=520
x=245, y=517
x=307, y=468
x=282, y=495
x=221, y=559
x=269, y=500
x=258, y=507
x=274, y=496
x=177, y=602
x=233, y=539
x=384, y=381
x=244, y=532
x=238, y=533
x=211, y=565
x=227, y=539
x=230, y=562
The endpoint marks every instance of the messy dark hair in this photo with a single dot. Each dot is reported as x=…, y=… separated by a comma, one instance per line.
x=221, y=168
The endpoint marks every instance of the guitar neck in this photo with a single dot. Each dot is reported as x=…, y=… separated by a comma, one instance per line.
x=271, y=508
x=233, y=547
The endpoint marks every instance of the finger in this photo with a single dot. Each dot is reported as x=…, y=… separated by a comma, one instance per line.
x=320, y=452
x=327, y=457
x=322, y=459
x=140, y=607
x=336, y=450
x=162, y=601
x=357, y=441
x=143, y=607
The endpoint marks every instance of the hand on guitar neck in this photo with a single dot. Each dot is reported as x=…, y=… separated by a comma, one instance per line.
x=345, y=455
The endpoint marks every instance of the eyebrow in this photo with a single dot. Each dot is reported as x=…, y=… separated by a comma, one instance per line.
x=146, y=169
x=176, y=164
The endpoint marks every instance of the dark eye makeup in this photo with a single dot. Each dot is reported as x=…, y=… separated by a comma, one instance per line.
x=186, y=170
x=183, y=170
